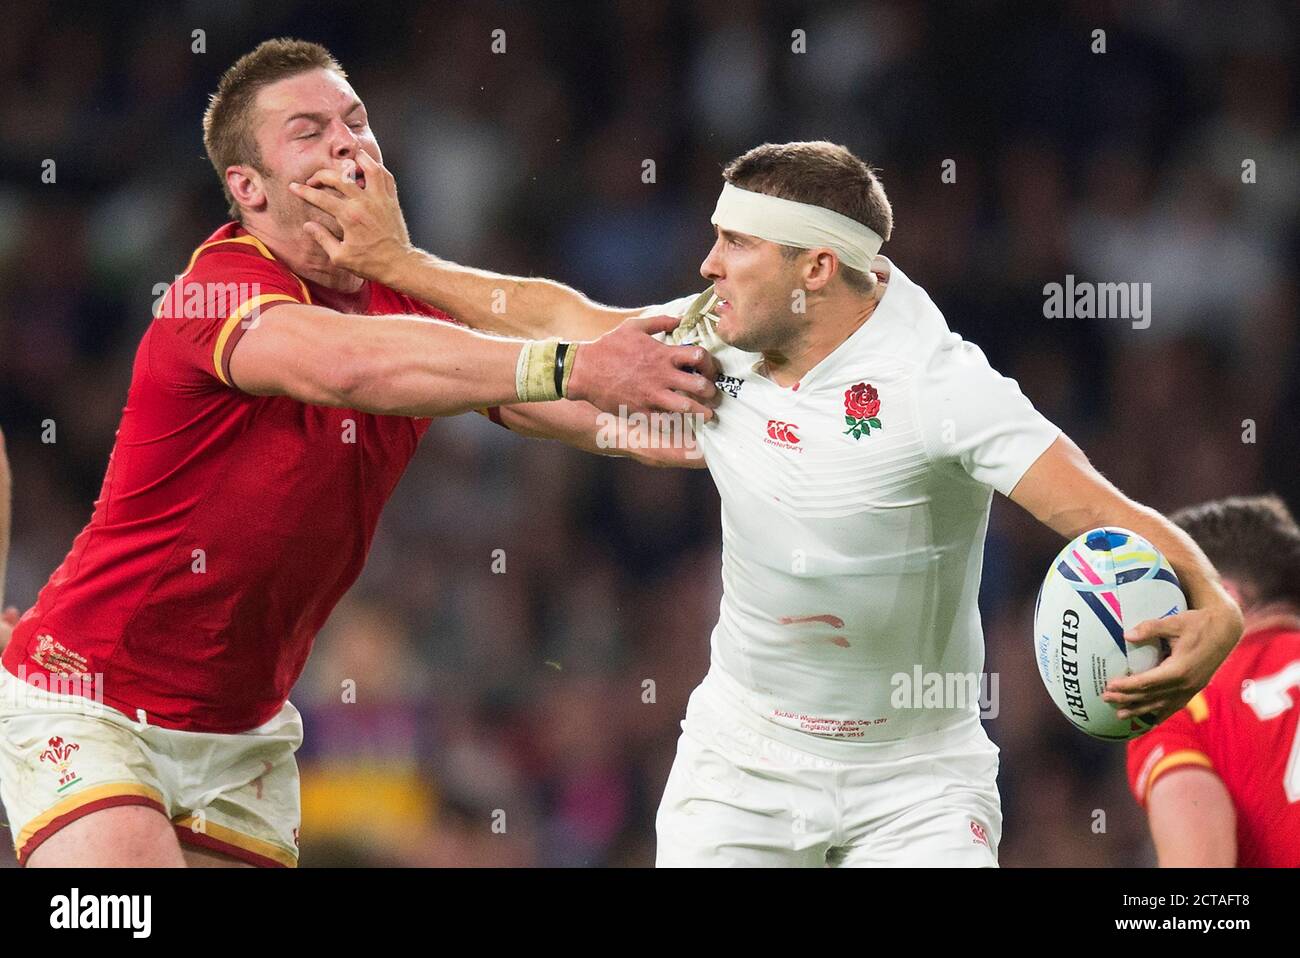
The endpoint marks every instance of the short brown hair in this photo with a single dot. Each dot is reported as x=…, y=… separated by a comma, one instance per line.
x=228, y=120
x=1253, y=540
x=823, y=174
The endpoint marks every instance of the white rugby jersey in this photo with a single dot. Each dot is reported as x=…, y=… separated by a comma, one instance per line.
x=854, y=509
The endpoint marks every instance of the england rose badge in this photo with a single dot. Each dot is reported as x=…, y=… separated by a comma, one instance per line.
x=861, y=408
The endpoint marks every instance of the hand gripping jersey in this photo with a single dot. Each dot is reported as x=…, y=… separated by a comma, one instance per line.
x=1243, y=725
x=854, y=510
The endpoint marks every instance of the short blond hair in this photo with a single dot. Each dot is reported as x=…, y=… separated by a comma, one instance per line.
x=228, y=122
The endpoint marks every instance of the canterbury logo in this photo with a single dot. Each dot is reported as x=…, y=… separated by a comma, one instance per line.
x=782, y=431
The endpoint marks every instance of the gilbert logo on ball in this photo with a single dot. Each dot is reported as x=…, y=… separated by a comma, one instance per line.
x=1102, y=583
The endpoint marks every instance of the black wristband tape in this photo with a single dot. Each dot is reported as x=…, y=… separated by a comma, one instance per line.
x=560, y=351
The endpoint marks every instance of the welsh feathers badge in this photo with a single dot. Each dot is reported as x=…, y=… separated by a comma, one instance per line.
x=861, y=405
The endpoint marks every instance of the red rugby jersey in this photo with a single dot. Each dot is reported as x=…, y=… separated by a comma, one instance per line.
x=1243, y=725
x=228, y=525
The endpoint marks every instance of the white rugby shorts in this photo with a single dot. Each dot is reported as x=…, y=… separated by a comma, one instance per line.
x=738, y=796
x=64, y=756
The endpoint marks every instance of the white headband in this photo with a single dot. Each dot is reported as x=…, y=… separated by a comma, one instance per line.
x=796, y=224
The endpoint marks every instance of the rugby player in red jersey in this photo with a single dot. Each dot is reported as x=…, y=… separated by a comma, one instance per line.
x=1220, y=779
x=275, y=401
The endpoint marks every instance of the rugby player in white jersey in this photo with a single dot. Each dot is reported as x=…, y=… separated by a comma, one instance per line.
x=856, y=452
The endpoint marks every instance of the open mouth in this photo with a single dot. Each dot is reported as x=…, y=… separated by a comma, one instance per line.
x=352, y=171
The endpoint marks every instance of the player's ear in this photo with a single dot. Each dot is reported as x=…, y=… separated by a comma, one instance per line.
x=818, y=270
x=246, y=186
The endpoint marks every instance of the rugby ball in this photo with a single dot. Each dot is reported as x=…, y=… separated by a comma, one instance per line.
x=1103, y=582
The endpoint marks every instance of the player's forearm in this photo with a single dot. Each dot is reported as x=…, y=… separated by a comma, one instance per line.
x=583, y=426
x=1196, y=574
x=375, y=244
x=1064, y=491
x=409, y=367
x=416, y=366
x=526, y=307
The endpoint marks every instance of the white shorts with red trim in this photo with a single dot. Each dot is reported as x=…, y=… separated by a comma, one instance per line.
x=64, y=756
x=743, y=792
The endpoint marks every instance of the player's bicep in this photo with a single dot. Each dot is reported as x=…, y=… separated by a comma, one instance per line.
x=295, y=350
x=1193, y=821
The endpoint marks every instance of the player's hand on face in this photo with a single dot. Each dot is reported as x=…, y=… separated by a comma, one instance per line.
x=628, y=367
x=368, y=213
x=1199, y=641
x=8, y=620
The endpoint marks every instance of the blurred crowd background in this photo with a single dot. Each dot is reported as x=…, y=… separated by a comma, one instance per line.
x=500, y=719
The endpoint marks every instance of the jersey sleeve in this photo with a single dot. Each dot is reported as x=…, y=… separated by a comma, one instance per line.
x=1176, y=742
x=975, y=418
x=206, y=311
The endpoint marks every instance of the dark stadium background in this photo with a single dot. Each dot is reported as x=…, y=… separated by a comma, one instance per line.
x=523, y=692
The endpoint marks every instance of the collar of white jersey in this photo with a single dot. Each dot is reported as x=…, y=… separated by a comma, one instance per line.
x=876, y=326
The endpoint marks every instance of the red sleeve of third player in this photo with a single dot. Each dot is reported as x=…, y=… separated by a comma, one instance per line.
x=1176, y=742
x=206, y=311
